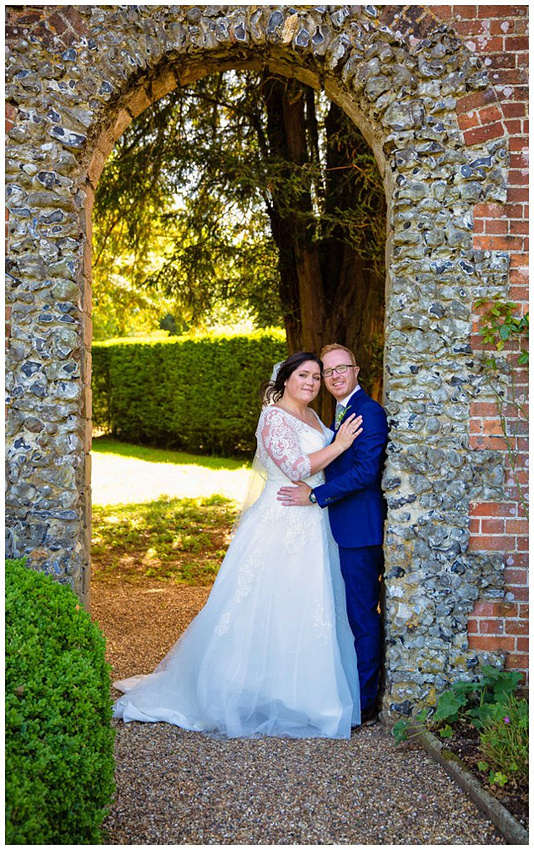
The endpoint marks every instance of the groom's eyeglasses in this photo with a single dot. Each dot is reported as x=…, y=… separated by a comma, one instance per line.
x=339, y=370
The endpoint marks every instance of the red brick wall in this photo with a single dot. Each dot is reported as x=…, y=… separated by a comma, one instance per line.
x=499, y=35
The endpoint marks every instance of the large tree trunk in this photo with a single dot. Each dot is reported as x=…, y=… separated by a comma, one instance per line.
x=330, y=289
x=292, y=216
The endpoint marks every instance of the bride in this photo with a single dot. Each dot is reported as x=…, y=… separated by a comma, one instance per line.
x=271, y=652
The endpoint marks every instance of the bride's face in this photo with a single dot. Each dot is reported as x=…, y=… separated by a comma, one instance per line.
x=304, y=383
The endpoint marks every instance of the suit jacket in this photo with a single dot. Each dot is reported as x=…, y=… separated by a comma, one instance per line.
x=352, y=489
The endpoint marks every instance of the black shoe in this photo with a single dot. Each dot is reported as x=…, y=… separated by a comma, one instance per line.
x=370, y=716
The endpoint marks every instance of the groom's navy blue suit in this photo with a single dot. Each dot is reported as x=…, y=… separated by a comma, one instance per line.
x=356, y=507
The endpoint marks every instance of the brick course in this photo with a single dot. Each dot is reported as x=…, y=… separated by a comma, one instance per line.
x=500, y=228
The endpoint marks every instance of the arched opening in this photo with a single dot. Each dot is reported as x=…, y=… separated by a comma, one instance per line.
x=335, y=289
x=406, y=80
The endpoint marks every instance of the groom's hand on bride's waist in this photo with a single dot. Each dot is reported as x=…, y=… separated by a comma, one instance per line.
x=297, y=494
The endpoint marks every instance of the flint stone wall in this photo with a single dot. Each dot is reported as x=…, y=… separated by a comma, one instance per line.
x=74, y=81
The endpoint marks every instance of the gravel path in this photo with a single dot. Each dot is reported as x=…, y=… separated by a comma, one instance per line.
x=178, y=787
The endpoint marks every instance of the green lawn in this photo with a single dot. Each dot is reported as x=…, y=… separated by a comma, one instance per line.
x=178, y=540
x=108, y=445
x=144, y=535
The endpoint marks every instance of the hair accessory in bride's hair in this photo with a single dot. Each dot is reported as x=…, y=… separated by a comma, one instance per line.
x=267, y=392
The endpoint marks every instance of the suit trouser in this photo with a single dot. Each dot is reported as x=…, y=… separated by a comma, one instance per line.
x=361, y=569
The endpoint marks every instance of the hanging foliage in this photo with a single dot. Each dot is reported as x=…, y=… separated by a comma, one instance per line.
x=252, y=193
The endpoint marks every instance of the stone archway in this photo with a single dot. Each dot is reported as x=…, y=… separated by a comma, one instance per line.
x=76, y=78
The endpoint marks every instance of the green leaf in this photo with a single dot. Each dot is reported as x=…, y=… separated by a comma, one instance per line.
x=480, y=714
x=448, y=706
x=399, y=731
x=498, y=778
x=422, y=715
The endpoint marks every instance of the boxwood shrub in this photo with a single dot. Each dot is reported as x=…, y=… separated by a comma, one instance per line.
x=200, y=395
x=59, y=741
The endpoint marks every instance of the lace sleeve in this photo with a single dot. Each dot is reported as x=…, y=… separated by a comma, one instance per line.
x=279, y=438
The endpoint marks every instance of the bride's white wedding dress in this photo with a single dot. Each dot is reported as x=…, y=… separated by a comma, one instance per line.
x=271, y=653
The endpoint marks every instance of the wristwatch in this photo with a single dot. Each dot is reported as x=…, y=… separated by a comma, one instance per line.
x=312, y=497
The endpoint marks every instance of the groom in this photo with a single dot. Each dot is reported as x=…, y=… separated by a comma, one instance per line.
x=356, y=510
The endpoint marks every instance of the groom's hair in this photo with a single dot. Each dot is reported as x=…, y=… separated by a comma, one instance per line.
x=336, y=347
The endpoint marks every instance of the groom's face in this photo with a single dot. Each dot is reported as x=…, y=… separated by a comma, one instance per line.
x=340, y=385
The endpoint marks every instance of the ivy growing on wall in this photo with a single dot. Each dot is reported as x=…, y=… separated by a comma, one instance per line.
x=503, y=329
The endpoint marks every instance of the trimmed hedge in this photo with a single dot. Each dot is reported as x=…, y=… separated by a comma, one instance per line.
x=201, y=395
x=59, y=741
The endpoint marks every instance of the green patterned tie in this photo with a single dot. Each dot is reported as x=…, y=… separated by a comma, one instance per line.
x=340, y=413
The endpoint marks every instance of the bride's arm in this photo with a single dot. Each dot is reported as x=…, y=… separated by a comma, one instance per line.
x=349, y=430
x=280, y=440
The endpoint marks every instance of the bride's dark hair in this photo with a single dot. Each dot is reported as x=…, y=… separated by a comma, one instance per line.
x=273, y=391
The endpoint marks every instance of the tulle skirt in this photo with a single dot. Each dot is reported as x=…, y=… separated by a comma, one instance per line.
x=271, y=652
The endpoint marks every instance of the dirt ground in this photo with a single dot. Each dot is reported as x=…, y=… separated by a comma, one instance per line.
x=142, y=621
